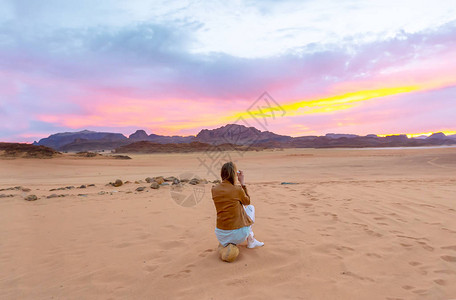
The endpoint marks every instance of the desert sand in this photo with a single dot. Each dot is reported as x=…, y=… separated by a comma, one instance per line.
x=357, y=224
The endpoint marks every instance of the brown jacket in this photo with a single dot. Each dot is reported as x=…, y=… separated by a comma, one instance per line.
x=228, y=200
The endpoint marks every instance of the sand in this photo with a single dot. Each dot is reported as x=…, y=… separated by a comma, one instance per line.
x=358, y=224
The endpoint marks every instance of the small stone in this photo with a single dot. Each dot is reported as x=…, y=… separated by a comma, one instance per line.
x=140, y=189
x=82, y=195
x=126, y=182
x=117, y=183
x=164, y=183
x=155, y=185
x=91, y=184
x=83, y=186
x=52, y=196
x=194, y=181
x=176, y=181
x=229, y=253
x=31, y=198
x=69, y=187
x=149, y=179
x=25, y=189
x=136, y=182
x=170, y=178
x=6, y=196
x=101, y=193
x=159, y=179
x=216, y=181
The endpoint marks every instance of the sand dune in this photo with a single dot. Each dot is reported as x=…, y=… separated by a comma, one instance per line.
x=358, y=224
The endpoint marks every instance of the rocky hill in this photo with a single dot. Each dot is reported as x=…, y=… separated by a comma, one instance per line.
x=233, y=134
x=26, y=151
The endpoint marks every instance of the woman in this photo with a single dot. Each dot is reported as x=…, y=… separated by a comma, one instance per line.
x=235, y=215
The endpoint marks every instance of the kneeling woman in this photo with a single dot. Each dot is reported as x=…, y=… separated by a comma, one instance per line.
x=235, y=215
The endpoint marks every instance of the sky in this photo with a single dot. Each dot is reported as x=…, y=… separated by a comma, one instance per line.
x=306, y=67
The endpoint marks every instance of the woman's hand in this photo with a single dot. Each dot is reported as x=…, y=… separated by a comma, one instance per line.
x=240, y=175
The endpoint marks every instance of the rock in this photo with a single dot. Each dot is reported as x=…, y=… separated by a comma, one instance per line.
x=91, y=184
x=136, y=182
x=164, y=183
x=176, y=181
x=82, y=195
x=127, y=182
x=69, y=187
x=159, y=179
x=155, y=185
x=170, y=178
x=229, y=253
x=117, y=183
x=101, y=193
x=25, y=189
x=185, y=180
x=83, y=186
x=6, y=196
x=121, y=156
x=149, y=179
x=31, y=198
x=140, y=189
x=55, y=196
x=216, y=181
x=194, y=181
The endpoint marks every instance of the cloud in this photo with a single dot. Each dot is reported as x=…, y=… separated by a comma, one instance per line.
x=100, y=74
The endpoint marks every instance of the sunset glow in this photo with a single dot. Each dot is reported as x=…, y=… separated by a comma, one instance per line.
x=174, y=71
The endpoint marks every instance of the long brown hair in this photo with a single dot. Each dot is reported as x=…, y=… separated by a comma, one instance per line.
x=228, y=172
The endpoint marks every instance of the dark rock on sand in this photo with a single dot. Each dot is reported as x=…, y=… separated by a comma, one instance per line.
x=121, y=156
x=31, y=198
x=25, y=189
x=155, y=185
x=83, y=186
x=6, y=195
x=140, y=189
x=56, y=196
x=194, y=181
x=170, y=178
x=91, y=184
x=117, y=183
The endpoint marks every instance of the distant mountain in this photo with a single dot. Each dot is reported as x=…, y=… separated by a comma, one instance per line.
x=238, y=134
x=437, y=136
x=232, y=134
x=339, y=135
x=141, y=135
x=56, y=141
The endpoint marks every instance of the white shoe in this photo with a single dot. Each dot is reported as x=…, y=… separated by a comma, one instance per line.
x=253, y=243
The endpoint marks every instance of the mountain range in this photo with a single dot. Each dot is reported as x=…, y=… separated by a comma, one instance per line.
x=232, y=134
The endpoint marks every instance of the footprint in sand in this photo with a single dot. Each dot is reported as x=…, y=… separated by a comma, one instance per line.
x=150, y=268
x=449, y=248
x=206, y=252
x=448, y=258
x=440, y=282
